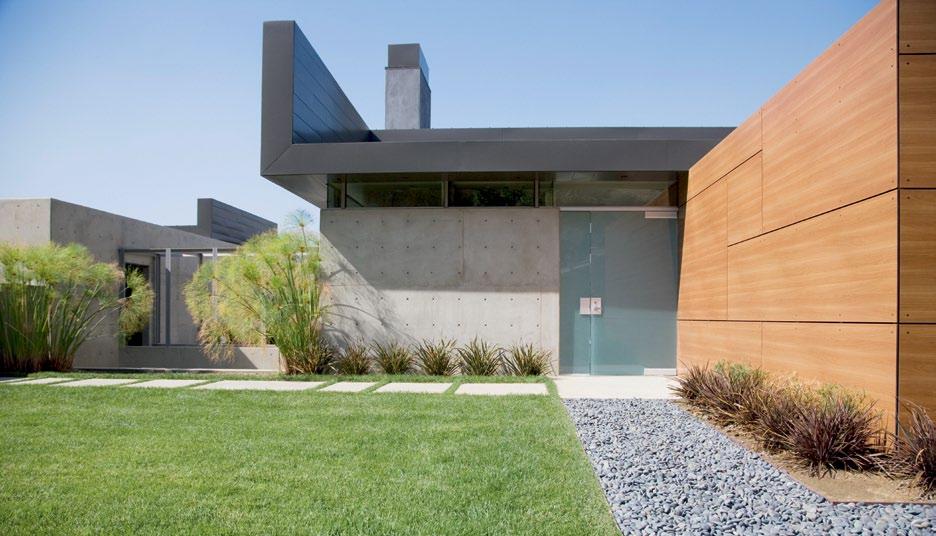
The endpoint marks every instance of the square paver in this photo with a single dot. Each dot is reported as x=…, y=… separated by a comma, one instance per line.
x=501, y=389
x=259, y=385
x=413, y=387
x=42, y=381
x=167, y=384
x=348, y=387
x=96, y=382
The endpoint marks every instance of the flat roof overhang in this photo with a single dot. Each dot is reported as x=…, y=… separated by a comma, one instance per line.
x=310, y=131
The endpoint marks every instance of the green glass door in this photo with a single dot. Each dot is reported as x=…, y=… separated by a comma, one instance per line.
x=618, y=285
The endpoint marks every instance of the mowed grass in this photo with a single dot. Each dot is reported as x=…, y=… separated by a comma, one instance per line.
x=144, y=461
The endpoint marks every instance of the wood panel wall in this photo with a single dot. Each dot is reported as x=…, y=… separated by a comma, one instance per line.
x=808, y=191
x=917, y=194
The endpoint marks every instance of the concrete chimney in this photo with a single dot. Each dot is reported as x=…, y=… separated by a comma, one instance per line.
x=408, y=97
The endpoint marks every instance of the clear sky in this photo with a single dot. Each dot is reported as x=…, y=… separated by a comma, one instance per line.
x=140, y=108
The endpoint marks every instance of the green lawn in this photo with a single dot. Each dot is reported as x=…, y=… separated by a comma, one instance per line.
x=118, y=460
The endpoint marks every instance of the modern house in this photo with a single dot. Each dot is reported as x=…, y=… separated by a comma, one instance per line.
x=562, y=237
x=803, y=241
x=167, y=255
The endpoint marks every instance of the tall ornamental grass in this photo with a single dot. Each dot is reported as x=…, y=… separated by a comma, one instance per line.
x=53, y=298
x=826, y=428
x=268, y=291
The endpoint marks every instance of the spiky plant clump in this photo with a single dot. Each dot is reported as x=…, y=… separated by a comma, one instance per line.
x=478, y=358
x=725, y=392
x=53, y=298
x=837, y=429
x=268, y=290
x=526, y=360
x=355, y=360
x=393, y=358
x=689, y=384
x=914, y=449
x=436, y=358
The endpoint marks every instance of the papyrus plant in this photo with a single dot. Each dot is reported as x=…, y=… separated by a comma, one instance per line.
x=53, y=298
x=267, y=291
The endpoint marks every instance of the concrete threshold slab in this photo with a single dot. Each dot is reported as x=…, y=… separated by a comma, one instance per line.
x=42, y=381
x=167, y=384
x=413, y=387
x=96, y=382
x=259, y=385
x=502, y=389
x=349, y=387
x=615, y=387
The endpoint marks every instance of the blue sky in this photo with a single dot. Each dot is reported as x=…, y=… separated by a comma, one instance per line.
x=140, y=108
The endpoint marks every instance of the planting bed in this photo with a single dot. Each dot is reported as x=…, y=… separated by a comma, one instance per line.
x=665, y=471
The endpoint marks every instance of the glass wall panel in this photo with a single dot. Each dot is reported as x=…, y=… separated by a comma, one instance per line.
x=394, y=192
x=334, y=193
x=491, y=193
x=547, y=191
x=610, y=193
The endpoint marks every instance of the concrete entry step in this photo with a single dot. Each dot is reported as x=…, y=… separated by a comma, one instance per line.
x=413, y=387
x=259, y=385
x=614, y=387
x=348, y=387
x=502, y=389
x=167, y=384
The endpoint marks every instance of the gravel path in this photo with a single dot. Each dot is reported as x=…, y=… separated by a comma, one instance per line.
x=666, y=472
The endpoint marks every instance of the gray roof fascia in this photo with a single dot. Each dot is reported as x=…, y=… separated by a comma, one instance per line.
x=276, y=91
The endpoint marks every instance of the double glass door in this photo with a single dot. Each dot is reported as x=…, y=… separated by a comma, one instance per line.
x=618, y=289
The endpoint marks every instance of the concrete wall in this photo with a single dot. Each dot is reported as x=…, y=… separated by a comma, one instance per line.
x=258, y=358
x=408, y=274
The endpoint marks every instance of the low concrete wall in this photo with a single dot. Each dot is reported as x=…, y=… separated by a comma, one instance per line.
x=408, y=274
x=260, y=358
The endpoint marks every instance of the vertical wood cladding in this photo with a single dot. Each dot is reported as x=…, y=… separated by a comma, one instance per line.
x=918, y=256
x=918, y=120
x=830, y=135
x=737, y=147
x=703, y=277
x=917, y=108
x=837, y=267
x=917, y=26
x=745, y=200
x=918, y=366
x=808, y=222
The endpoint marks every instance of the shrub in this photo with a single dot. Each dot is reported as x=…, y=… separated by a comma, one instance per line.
x=355, y=360
x=393, y=358
x=268, y=290
x=727, y=392
x=53, y=298
x=436, y=358
x=914, y=449
x=525, y=360
x=479, y=358
x=826, y=428
x=836, y=429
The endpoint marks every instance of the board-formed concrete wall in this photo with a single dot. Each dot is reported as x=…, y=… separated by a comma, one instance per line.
x=410, y=274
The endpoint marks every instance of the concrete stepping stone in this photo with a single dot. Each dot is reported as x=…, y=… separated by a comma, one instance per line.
x=348, y=387
x=502, y=389
x=42, y=381
x=96, y=382
x=259, y=385
x=413, y=387
x=9, y=380
x=167, y=384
